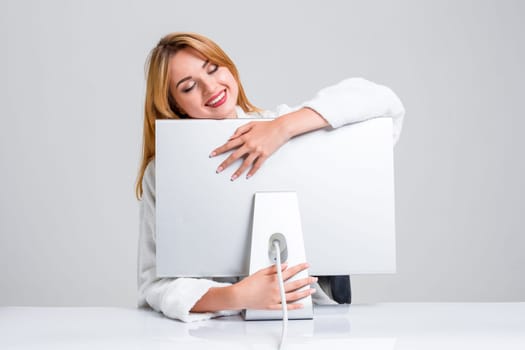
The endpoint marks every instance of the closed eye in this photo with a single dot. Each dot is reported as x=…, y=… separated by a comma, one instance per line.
x=213, y=68
x=188, y=89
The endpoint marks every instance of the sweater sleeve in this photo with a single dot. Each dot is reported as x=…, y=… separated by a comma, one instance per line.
x=355, y=100
x=174, y=297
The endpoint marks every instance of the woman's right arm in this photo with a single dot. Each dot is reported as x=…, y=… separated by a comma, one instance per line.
x=193, y=299
x=174, y=297
x=259, y=291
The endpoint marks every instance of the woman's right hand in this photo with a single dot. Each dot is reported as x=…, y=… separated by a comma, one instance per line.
x=261, y=290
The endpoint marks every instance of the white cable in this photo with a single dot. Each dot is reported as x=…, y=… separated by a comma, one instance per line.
x=281, y=290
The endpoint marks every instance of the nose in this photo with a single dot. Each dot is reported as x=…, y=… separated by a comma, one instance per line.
x=208, y=83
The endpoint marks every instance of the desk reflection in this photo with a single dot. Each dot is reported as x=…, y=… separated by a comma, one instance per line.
x=323, y=331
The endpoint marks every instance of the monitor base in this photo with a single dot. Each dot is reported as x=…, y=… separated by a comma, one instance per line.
x=278, y=212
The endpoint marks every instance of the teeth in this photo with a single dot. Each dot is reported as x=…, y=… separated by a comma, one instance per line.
x=217, y=99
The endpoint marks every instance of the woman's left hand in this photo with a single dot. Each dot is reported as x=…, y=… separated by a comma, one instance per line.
x=254, y=142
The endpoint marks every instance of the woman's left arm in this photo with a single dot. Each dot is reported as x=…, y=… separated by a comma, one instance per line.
x=256, y=141
x=352, y=100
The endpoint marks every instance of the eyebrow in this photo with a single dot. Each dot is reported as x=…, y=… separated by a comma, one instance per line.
x=188, y=78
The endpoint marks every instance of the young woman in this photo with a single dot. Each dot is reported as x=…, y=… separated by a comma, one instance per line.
x=189, y=76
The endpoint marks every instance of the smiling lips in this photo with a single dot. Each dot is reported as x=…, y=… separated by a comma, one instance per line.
x=217, y=100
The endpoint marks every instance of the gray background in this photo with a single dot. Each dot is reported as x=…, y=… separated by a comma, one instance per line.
x=71, y=99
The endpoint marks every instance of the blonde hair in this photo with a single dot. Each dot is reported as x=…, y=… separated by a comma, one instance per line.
x=159, y=103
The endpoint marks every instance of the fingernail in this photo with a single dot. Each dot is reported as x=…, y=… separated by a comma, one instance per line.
x=219, y=169
x=315, y=279
x=234, y=176
x=312, y=290
x=212, y=154
x=248, y=176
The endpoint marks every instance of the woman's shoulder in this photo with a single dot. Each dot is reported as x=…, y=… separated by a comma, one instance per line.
x=148, y=181
x=150, y=169
x=258, y=114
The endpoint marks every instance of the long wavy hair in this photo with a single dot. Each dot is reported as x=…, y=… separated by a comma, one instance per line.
x=159, y=103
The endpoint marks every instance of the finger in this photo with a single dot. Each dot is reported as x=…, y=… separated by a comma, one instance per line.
x=247, y=162
x=294, y=285
x=291, y=297
x=232, y=158
x=292, y=271
x=241, y=130
x=294, y=306
x=228, y=146
x=256, y=166
x=272, y=269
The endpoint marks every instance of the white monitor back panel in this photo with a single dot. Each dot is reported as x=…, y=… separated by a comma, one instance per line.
x=344, y=182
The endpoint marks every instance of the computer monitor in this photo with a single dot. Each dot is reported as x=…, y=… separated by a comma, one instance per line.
x=344, y=183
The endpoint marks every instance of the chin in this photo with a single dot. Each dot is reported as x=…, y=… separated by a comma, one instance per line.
x=225, y=113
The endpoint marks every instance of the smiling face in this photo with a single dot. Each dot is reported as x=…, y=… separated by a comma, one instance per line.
x=200, y=88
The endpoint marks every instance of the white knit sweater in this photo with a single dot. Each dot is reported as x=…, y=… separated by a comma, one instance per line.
x=352, y=100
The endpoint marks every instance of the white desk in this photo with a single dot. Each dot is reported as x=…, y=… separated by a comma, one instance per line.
x=398, y=326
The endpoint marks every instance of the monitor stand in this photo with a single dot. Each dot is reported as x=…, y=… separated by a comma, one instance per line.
x=278, y=212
